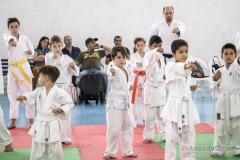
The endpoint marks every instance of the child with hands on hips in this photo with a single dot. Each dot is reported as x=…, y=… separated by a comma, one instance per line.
x=51, y=101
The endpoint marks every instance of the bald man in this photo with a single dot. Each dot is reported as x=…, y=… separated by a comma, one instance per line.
x=169, y=30
x=70, y=50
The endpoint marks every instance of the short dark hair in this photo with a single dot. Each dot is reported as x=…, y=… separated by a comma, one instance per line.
x=51, y=71
x=166, y=6
x=116, y=37
x=42, y=39
x=90, y=40
x=177, y=44
x=155, y=39
x=55, y=39
x=118, y=49
x=231, y=46
x=11, y=20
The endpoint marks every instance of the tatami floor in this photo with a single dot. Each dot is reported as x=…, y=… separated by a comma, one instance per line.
x=89, y=131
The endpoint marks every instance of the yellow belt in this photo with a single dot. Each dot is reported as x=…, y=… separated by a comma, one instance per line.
x=19, y=65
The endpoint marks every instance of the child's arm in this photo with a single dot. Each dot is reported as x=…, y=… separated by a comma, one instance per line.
x=178, y=70
x=151, y=58
x=28, y=99
x=216, y=76
x=73, y=69
x=9, y=40
x=57, y=111
x=193, y=84
x=135, y=60
x=66, y=103
x=214, y=81
x=52, y=59
x=21, y=98
x=112, y=73
x=30, y=49
x=48, y=58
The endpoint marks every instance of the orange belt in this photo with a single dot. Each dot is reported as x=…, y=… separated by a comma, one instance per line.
x=138, y=73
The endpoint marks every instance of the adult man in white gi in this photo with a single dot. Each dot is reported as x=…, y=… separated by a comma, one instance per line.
x=169, y=30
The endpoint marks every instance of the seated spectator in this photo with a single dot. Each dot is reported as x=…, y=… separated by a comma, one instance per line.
x=39, y=58
x=91, y=62
x=118, y=42
x=71, y=51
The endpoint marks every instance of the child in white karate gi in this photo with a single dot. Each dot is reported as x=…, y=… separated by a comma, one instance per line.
x=180, y=112
x=5, y=137
x=226, y=82
x=67, y=68
x=120, y=119
x=139, y=77
x=154, y=90
x=50, y=101
x=19, y=71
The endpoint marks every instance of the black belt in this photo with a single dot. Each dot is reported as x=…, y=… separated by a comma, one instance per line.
x=167, y=55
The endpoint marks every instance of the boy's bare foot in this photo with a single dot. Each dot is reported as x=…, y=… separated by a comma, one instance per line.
x=12, y=124
x=215, y=155
x=108, y=157
x=133, y=155
x=31, y=122
x=67, y=142
x=8, y=148
x=147, y=141
x=238, y=155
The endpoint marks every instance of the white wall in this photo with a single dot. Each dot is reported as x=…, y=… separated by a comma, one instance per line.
x=209, y=23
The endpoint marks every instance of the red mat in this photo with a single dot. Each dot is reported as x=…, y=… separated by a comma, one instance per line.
x=21, y=138
x=204, y=128
x=92, y=141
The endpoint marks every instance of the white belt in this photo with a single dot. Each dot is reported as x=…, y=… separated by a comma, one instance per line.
x=182, y=114
x=153, y=84
x=224, y=110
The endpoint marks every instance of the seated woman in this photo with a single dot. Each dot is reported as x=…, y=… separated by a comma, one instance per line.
x=39, y=58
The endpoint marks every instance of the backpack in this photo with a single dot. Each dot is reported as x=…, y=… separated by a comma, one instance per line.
x=198, y=72
x=215, y=66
